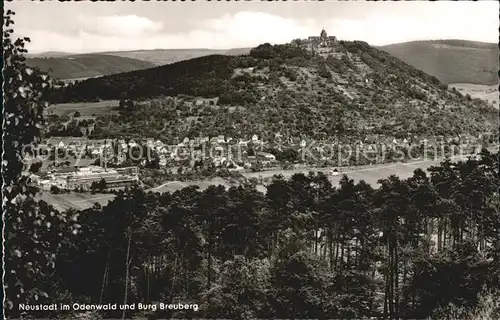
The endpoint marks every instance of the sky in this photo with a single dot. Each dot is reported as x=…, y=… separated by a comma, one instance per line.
x=81, y=27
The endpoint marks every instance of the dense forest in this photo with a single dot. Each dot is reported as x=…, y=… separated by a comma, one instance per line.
x=200, y=76
x=409, y=249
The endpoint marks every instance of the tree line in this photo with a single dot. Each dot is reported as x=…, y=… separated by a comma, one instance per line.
x=304, y=249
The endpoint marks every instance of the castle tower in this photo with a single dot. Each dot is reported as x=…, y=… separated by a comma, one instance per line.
x=323, y=35
x=323, y=38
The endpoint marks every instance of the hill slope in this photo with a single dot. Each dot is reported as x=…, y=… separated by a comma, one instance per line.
x=86, y=65
x=351, y=90
x=49, y=54
x=451, y=61
x=166, y=56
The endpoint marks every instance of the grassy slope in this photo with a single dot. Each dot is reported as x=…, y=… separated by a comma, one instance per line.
x=480, y=91
x=85, y=108
x=451, y=61
x=86, y=65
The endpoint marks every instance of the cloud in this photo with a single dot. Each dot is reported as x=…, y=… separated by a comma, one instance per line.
x=128, y=25
x=257, y=27
x=250, y=28
x=386, y=29
x=131, y=32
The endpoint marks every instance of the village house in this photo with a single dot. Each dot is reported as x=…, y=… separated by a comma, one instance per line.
x=243, y=143
x=199, y=101
x=265, y=156
x=163, y=161
x=220, y=139
x=162, y=150
x=159, y=144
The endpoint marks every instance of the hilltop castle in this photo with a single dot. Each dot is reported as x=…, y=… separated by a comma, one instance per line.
x=313, y=43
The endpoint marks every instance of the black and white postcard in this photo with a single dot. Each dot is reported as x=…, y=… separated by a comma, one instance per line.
x=251, y=160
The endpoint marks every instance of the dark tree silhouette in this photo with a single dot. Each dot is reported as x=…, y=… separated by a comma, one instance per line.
x=31, y=238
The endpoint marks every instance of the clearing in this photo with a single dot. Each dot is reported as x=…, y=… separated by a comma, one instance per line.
x=86, y=109
x=481, y=91
x=78, y=201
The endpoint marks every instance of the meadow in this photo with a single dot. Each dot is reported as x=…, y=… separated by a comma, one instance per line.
x=86, y=109
x=78, y=201
x=480, y=91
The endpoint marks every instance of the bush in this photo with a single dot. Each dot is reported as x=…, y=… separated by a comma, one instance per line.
x=55, y=190
x=487, y=307
x=257, y=167
x=35, y=167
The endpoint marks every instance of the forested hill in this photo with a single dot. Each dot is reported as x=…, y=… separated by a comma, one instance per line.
x=85, y=65
x=350, y=87
x=451, y=61
x=200, y=76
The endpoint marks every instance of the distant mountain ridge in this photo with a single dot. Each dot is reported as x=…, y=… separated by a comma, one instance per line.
x=451, y=61
x=167, y=56
x=49, y=54
x=70, y=66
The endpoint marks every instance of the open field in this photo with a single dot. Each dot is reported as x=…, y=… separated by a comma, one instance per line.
x=172, y=186
x=80, y=79
x=86, y=109
x=481, y=91
x=73, y=200
x=369, y=174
